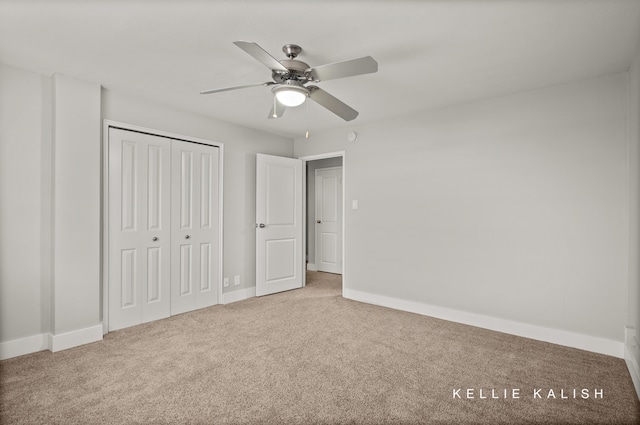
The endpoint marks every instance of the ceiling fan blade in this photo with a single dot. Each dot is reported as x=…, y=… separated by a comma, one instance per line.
x=365, y=65
x=279, y=111
x=260, y=54
x=268, y=83
x=333, y=104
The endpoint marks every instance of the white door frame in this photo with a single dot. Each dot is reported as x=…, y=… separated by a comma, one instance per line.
x=105, y=203
x=305, y=159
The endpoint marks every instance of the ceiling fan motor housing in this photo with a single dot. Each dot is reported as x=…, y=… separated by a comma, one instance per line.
x=296, y=69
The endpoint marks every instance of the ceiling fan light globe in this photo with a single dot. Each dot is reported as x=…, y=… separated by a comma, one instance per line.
x=290, y=94
x=291, y=98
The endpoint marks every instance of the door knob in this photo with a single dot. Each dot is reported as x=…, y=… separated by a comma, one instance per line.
x=187, y=237
x=155, y=238
x=318, y=221
x=261, y=225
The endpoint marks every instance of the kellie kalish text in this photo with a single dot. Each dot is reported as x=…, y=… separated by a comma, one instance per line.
x=536, y=393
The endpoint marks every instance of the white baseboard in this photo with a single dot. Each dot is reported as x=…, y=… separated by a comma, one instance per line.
x=632, y=356
x=22, y=346
x=75, y=338
x=312, y=267
x=555, y=336
x=239, y=295
x=47, y=341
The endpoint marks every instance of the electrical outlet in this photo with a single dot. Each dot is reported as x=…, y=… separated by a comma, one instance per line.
x=236, y=280
x=226, y=282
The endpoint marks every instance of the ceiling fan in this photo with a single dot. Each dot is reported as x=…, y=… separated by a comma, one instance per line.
x=291, y=78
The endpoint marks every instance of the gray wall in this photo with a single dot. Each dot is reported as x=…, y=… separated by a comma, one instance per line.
x=75, y=205
x=633, y=314
x=50, y=208
x=312, y=166
x=514, y=207
x=21, y=108
x=50, y=201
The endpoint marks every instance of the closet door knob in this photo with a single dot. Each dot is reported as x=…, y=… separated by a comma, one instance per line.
x=187, y=237
x=155, y=238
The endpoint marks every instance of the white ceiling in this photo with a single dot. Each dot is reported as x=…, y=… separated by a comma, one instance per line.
x=430, y=53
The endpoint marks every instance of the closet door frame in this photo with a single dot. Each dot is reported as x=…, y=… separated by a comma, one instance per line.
x=107, y=124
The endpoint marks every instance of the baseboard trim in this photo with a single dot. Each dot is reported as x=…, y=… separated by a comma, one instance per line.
x=239, y=295
x=22, y=346
x=555, y=336
x=631, y=347
x=76, y=338
x=312, y=267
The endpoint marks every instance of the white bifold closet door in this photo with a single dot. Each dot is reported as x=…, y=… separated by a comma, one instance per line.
x=194, y=226
x=163, y=227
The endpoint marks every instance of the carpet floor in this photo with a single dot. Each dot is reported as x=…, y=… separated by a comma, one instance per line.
x=310, y=356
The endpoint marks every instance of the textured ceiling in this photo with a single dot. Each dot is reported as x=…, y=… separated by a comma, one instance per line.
x=430, y=53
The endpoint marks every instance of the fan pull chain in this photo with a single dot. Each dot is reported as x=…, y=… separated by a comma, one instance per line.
x=307, y=133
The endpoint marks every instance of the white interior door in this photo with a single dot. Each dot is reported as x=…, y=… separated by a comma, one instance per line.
x=139, y=231
x=194, y=226
x=329, y=219
x=278, y=224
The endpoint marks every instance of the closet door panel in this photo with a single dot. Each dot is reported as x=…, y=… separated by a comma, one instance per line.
x=139, y=228
x=209, y=232
x=194, y=232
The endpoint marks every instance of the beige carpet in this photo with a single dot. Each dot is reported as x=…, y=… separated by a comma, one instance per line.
x=310, y=356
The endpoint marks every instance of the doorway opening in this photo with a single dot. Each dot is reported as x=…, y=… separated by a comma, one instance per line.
x=324, y=216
